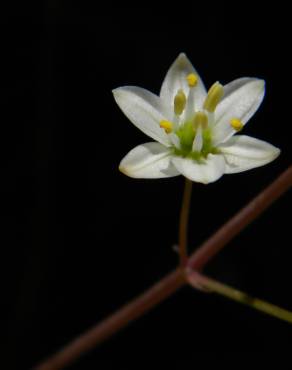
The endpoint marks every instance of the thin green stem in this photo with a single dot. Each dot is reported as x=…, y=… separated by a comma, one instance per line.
x=183, y=223
x=200, y=281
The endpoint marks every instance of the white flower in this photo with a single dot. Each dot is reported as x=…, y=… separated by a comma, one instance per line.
x=193, y=130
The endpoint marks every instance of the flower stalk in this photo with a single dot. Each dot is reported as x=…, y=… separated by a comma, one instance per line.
x=183, y=224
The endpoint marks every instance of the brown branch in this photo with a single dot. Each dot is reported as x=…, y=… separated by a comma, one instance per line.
x=172, y=282
x=112, y=324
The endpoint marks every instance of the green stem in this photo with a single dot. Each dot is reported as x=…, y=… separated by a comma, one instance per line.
x=183, y=224
x=200, y=281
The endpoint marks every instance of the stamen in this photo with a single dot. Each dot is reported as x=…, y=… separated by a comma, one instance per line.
x=200, y=120
x=166, y=125
x=192, y=79
x=198, y=141
x=236, y=124
x=214, y=96
x=179, y=102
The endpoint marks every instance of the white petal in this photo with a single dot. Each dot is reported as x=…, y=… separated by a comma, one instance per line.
x=243, y=153
x=175, y=140
x=144, y=109
x=198, y=140
x=242, y=99
x=175, y=79
x=235, y=85
x=148, y=161
x=208, y=171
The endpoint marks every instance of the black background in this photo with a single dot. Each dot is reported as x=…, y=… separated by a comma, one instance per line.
x=80, y=239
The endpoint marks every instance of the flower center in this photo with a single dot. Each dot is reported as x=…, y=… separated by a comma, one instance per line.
x=194, y=128
x=195, y=138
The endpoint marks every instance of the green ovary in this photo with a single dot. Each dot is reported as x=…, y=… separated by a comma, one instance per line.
x=187, y=133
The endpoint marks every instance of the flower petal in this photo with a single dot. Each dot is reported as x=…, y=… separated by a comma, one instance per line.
x=208, y=171
x=175, y=140
x=175, y=79
x=144, y=109
x=148, y=161
x=243, y=153
x=235, y=85
x=241, y=101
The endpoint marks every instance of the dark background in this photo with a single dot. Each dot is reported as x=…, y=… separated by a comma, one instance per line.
x=79, y=238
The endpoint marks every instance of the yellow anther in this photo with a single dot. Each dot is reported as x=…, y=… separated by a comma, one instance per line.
x=166, y=125
x=214, y=96
x=192, y=79
x=236, y=124
x=201, y=119
x=179, y=102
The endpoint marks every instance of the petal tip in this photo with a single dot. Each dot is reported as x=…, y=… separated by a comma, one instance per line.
x=182, y=55
x=182, y=60
x=123, y=170
x=115, y=92
x=276, y=153
x=262, y=83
